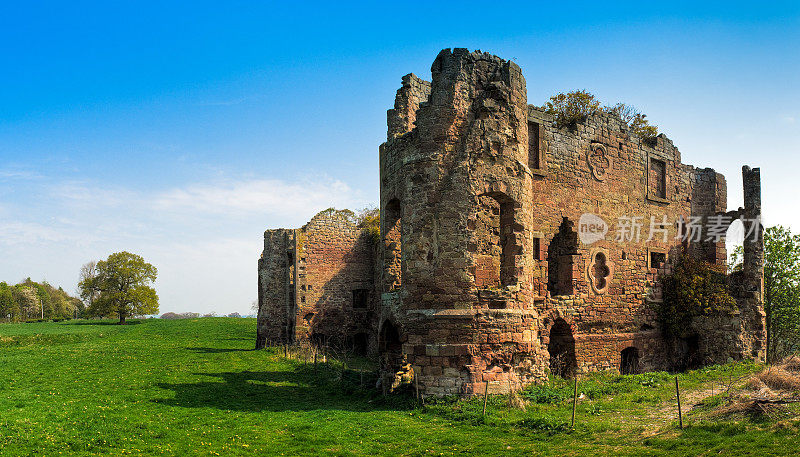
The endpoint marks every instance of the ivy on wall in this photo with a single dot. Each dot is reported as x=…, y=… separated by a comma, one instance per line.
x=693, y=289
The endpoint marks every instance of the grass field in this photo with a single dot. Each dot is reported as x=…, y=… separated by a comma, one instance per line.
x=195, y=387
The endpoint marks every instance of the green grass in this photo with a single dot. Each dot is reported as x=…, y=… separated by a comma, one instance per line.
x=195, y=387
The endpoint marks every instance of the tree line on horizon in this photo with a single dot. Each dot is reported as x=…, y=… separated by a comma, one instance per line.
x=29, y=299
x=191, y=315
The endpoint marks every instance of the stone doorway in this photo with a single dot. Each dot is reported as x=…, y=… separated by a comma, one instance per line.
x=389, y=346
x=629, y=361
x=562, y=350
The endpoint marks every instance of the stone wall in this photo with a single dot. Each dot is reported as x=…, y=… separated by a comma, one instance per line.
x=276, y=287
x=336, y=300
x=319, y=284
x=481, y=274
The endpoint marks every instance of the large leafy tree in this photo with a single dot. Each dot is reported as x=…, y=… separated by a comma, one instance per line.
x=120, y=286
x=781, y=290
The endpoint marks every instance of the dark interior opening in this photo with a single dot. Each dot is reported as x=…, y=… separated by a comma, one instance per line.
x=630, y=361
x=360, y=344
x=389, y=346
x=392, y=246
x=319, y=340
x=657, y=259
x=534, y=133
x=560, y=259
x=562, y=350
x=360, y=298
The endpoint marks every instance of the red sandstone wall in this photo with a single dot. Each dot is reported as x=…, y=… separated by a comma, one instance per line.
x=335, y=257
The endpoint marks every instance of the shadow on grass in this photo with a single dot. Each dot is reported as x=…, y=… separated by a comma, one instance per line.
x=217, y=350
x=298, y=390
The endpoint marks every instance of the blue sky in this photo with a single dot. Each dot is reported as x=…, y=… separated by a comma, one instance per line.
x=181, y=131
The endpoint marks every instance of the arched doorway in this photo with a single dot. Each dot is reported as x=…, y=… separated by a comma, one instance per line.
x=389, y=346
x=629, y=361
x=562, y=350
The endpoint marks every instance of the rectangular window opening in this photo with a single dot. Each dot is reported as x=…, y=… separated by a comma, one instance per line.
x=657, y=259
x=658, y=178
x=360, y=298
x=537, y=249
x=534, y=150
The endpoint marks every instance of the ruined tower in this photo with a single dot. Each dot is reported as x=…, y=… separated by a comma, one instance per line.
x=512, y=246
x=456, y=199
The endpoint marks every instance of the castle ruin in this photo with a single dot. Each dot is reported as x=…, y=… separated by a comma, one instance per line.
x=480, y=273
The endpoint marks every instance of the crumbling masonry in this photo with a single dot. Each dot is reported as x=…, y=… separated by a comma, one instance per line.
x=480, y=274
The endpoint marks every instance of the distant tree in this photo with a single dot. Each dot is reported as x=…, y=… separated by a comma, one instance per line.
x=27, y=300
x=781, y=289
x=211, y=314
x=237, y=315
x=8, y=307
x=170, y=315
x=369, y=220
x=121, y=286
x=87, y=275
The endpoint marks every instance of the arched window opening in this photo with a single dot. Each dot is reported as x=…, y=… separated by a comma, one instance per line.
x=561, y=257
x=629, y=361
x=496, y=235
x=392, y=245
x=562, y=350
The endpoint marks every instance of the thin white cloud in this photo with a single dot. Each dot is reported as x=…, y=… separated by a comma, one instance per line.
x=87, y=195
x=265, y=196
x=21, y=233
x=9, y=174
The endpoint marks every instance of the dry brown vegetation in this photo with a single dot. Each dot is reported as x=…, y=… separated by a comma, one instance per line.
x=766, y=393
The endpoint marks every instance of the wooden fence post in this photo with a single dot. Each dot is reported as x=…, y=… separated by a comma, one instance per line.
x=678, y=395
x=485, y=397
x=574, y=401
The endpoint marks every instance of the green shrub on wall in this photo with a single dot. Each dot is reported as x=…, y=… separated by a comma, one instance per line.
x=693, y=289
x=572, y=107
x=637, y=122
